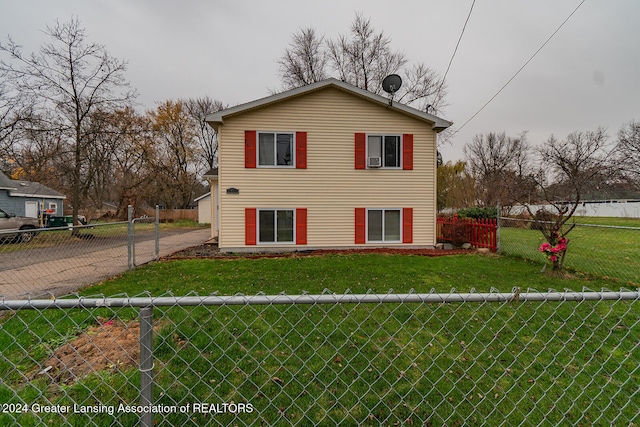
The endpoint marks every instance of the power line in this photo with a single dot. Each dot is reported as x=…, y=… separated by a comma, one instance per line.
x=455, y=50
x=517, y=72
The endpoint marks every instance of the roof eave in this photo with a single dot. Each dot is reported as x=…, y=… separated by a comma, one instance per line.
x=37, y=196
x=202, y=197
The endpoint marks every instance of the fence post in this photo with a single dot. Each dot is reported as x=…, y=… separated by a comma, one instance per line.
x=498, y=229
x=146, y=364
x=157, y=232
x=130, y=242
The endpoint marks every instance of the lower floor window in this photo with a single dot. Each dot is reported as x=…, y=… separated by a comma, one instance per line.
x=383, y=225
x=276, y=225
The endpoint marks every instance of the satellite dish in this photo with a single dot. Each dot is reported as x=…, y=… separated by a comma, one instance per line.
x=391, y=83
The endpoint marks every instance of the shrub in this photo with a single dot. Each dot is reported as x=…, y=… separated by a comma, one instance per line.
x=456, y=234
x=540, y=218
x=487, y=212
x=455, y=231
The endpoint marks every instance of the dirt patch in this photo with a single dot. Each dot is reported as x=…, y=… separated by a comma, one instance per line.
x=112, y=345
x=208, y=250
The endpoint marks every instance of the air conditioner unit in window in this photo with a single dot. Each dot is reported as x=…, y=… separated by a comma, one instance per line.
x=374, y=162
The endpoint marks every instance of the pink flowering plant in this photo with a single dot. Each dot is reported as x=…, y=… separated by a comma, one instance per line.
x=555, y=252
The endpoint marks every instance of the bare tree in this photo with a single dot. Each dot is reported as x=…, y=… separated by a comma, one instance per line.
x=363, y=58
x=577, y=165
x=304, y=61
x=569, y=170
x=126, y=150
x=177, y=144
x=496, y=160
x=628, y=152
x=206, y=136
x=13, y=112
x=35, y=155
x=67, y=80
x=424, y=87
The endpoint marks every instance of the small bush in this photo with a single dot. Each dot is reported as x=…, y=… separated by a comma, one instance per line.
x=540, y=218
x=487, y=212
x=456, y=234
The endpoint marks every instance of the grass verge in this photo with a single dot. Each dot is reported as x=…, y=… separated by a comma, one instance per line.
x=611, y=253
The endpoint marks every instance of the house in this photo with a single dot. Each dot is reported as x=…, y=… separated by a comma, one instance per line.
x=204, y=208
x=214, y=201
x=30, y=199
x=327, y=165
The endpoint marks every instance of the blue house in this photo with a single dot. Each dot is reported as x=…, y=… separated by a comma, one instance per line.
x=30, y=199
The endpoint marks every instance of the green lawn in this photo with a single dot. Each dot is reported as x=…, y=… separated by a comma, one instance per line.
x=607, y=252
x=614, y=221
x=379, y=364
x=338, y=273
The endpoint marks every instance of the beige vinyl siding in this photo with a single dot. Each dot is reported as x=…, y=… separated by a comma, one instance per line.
x=330, y=187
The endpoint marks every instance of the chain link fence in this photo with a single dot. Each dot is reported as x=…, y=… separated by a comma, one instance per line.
x=60, y=260
x=515, y=358
x=611, y=252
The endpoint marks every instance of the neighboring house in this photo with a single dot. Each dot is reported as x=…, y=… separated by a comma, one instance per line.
x=204, y=208
x=30, y=199
x=214, y=205
x=326, y=165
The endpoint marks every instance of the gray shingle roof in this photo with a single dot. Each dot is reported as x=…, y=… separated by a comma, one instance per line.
x=6, y=183
x=18, y=188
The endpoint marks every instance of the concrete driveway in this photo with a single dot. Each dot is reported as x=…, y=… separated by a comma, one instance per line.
x=44, y=276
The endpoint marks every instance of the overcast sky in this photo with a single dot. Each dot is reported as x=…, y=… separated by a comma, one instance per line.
x=587, y=76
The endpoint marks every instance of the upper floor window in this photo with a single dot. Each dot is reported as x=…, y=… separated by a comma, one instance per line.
x=275, y=149
x=383, y=151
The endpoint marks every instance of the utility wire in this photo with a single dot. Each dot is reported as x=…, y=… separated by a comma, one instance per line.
x=517, y=72
x=454, y=51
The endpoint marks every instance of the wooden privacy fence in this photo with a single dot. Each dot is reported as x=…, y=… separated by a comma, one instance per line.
x=173, y=214
x=481, y=233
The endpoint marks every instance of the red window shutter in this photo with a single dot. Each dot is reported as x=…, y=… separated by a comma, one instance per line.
x=361, y=225
x=301, y=150
x=407, y=151
x=361, y=151
x=407, y=225
x=250, y=154
x=250, y=227
x=301, y=226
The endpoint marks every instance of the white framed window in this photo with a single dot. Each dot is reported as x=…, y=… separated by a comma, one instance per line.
x=384, y=151
x=276, y=225
x=384, y=225
x=53, y=208
x=276, y=149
